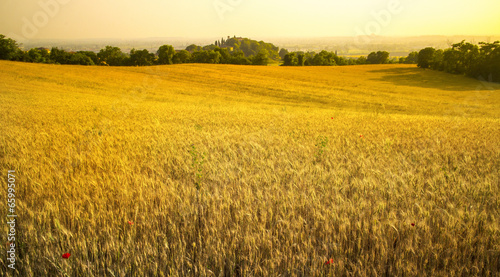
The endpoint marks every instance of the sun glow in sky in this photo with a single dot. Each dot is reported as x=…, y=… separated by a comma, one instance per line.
x=80, y=19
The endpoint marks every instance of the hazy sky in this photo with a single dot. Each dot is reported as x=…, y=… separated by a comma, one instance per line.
x=77, y=19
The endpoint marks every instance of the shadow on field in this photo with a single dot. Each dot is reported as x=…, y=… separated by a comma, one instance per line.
x=426, y=78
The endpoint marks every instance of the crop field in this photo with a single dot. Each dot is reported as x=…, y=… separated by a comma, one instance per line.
x=219, y=170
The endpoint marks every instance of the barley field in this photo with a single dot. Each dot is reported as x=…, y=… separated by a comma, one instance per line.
x=219, y=170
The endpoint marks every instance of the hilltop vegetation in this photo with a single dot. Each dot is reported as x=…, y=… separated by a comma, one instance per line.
x=235, y=50
x=475, y=61
x=229, y=170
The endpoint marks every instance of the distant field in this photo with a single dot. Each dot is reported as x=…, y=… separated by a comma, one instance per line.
x=247, y=170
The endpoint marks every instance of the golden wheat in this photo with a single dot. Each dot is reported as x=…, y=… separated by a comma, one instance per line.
x=385, y=169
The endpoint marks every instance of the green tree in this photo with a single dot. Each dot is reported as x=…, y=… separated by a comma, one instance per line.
x=301, y=59
x=469, y=58
x=165, y=54
x=361, y=60
x=425, y=57
x=282, y=53
x=438, y=60
x=8, y=48
x=372, y=58
x=238, y=57
x=193, y=48
x=290, y=59
x=21, y=56
x=112, y=56
x=412, y=58
x=182, y=56
x=37, y=56
x=206, y=57
x=141, y=57
x=81, y=59
x=59, y=56
x=380, y=57
x=489, y=61
x=233, y=42
x=91, y=55
x=383, y=57
x=261, y=58
x=451, y=61
x=324, y=58
x=225, y=57
x=209, y=47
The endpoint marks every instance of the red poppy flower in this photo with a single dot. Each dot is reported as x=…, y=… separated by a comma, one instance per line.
x=361, y=136
x=332, y=117
x=66, y=255
x=329, y=262
x=413, y=224
x=130, y=222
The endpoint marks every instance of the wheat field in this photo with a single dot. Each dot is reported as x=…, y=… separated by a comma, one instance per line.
x=219, y=170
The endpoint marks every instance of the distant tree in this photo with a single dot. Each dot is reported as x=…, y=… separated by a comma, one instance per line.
x=261, y=58
x=372, y=58
x=451, y=61
x=192, y=48
x=340, y=60
x=213, y=57
x=90, y=54
x=59, y=56
x=361, y=60
x=301, y=59
x=282, y=53
x=206, y=57
x=412, y=58
x=141, y=57
x=209, y=47
x=249, y=47
x=475, y=61
x=383, y=57
x=438, y=60
x=182, y=56
x=309, y=56
x=37, y=56
x=165, y=54
x=199, y=56
x=380, y=57
x=21, y=56
x=489, y=61
x=425, y=57
x=112, y=56
x=323, y=58
x=238, y=57
x=225, y=57
x=233, y=42
x=81, y=59
x=290, y=59
x=469, y=58
x=8, y=48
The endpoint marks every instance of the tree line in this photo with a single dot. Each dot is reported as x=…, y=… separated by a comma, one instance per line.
x=325, y=58
x=477, y=61
x=234, y=50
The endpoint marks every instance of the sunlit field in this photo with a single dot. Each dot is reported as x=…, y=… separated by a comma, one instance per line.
x=219, y=170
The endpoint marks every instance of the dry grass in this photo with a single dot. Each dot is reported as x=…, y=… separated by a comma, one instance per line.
x=299, y=166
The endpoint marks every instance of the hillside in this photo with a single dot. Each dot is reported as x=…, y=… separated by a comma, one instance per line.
x=246, y=170
x=403, y=89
